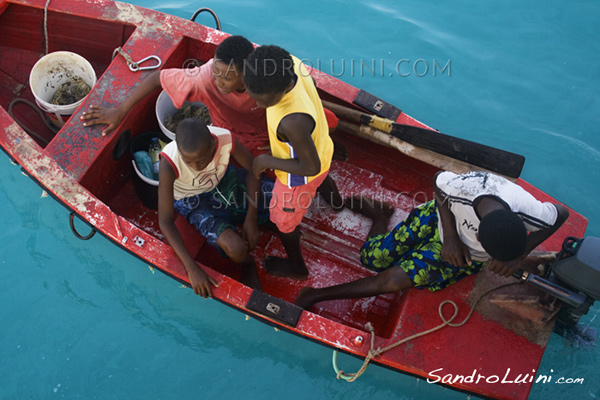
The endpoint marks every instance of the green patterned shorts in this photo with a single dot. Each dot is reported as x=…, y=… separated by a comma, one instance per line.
x=415, y=245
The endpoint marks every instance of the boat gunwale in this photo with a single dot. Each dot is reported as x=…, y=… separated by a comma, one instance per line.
x=106, y=227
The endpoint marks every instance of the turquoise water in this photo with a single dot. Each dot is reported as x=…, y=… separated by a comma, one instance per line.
x=86, y=320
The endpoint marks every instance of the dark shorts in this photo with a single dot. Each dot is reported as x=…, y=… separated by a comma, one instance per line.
x=415, y=245
x=225, y=206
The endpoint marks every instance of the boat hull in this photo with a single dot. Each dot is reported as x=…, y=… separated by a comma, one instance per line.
x=76, y=167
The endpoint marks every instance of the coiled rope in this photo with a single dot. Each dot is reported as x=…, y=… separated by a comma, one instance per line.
x=373, y=352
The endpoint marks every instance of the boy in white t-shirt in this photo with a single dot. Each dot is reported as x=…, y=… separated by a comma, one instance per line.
x=196, y=180
x=476, y=219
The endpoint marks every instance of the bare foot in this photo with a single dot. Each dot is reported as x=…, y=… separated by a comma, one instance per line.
x=303, y=300
x=282, y=267
x=369, y=207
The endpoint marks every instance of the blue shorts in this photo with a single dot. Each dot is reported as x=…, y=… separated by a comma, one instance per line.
x=415, y=245
x=225, y=206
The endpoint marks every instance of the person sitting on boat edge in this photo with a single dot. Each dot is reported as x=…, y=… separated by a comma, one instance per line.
x=301, y=148
x=197, y=180
x=475, y=219
x=218, y=84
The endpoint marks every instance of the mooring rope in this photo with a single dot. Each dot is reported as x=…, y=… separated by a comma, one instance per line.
x=46, y=25
x=126, y=56
x=373, y=352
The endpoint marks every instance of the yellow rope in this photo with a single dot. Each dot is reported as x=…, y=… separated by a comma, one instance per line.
x=376, y=352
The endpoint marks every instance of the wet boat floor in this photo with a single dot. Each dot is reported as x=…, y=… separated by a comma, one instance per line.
x=330, y=241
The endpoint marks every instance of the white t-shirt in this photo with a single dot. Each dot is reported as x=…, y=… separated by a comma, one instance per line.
x=463, y=192
x=189, y=182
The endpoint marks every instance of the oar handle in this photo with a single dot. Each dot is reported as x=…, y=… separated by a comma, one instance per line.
x=485, y=157
x=343, y=112
x=349, y=114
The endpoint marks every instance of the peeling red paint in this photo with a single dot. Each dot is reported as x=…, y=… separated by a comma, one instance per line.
x=76, y=168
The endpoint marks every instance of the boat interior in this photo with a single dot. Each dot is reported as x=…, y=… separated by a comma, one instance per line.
x=330, y=240
x=103, y=165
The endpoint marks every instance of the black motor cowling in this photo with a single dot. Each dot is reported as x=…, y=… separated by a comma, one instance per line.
x=573, y=277
x=578, y=265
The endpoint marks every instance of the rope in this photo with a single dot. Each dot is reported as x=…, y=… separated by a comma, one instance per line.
x=373, y=352
x=46, y=25
x=126, y=56
x=45, y=119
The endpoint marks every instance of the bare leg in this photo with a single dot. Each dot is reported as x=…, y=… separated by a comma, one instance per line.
x=378, y=211
x=293, y=266
x=328, y=189
x=389, y=281
x=235, y=248
x=340, y=152
x=250, y=274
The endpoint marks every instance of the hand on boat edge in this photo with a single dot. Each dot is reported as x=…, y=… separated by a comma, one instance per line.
x=201, y=282
x=96, y=115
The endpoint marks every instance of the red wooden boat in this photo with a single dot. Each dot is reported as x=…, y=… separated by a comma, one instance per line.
x=76, y=166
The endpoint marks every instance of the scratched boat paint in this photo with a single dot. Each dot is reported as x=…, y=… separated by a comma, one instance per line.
x=380, y=386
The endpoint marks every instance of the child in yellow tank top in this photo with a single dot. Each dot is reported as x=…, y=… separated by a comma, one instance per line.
x=300, y=146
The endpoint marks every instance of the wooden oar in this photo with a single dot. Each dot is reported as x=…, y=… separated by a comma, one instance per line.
x=486, y=157
x=427, y=156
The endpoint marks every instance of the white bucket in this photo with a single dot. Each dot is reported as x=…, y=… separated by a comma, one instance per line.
x=164, y=107
x=53, y=70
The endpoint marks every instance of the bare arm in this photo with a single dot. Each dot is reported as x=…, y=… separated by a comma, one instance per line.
x=296, y=129
x=453, y=249
x=113, y=117
x=534, y=239
x=200, y=281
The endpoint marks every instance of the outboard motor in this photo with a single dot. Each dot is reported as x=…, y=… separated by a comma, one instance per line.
x=573, y=278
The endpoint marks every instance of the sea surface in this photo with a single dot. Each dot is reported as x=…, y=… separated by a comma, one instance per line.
x=85, y=320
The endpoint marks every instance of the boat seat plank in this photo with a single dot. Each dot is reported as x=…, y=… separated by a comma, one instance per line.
x=113, y=86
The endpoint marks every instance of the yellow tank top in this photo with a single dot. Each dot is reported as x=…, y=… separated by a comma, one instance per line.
x=303, y=99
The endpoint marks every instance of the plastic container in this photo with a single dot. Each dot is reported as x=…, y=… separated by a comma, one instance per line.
x=154, y=151
x=164, y=107
x=50, y=72
x=146, y=188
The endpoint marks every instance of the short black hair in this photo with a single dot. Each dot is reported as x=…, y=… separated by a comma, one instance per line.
x=233, y=51
x=503, y=235
x=269, y=70
x=192, y=134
